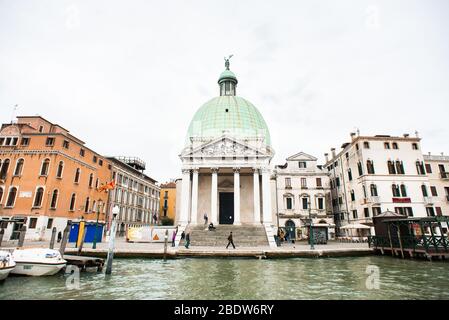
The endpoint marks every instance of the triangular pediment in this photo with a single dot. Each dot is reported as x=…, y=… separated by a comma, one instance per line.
x=226, y=184
x=226, y=146
x=301, y=156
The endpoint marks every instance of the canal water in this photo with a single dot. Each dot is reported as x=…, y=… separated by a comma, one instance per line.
x=301, y=278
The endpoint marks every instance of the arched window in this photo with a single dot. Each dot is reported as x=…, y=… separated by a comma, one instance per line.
x=72, y=202
x=45, y=166
x=38, y=197
x=86, y=205
x=366, y=145
x=60, y=169
x=94, y=206
x=77, y=175
x=97, y=182
x=400, y=167
x=359, y=165
x=4, y=170
x=395, y=190
x=19, y=167
x=288, y=201
x=403, y=190
x=352, y=195
x=424, y=190
x=54, y=199
x=370, y=166
x=1, y=194
x=391, y=167
x=373, y=188
x=395, y=145
x=91, y=180
x=420, y=168
x=350, y=174
x=11, y=197
x=364, y=191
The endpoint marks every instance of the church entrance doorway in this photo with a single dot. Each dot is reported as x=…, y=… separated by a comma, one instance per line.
x=226, y=206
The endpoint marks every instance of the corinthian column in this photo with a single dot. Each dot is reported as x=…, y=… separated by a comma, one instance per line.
x=256, y=192
x=236, y=195
x=266, y=194
x=194, y=213
x=185, y=195
x=214, y=196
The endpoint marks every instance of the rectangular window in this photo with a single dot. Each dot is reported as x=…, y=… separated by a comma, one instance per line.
x=438, y=210
x=65, y=144
x=320, y=203
x=50, y=223
x=94, y=159
x=33, y=223
x=428, y=168
x=350, y=175
x=433, y=191
x=376, y=211
x=289, y=203
x=305, y=205
x=302, y=164
x=337, y=181
x=25, y=142
x=288, y=182
x=387, y=145
x=82, y=152
x=303, y=183
x=100, y=162
x=50, y=142
x=430, y=212
x=354, y=214
x=366, y=212
x=318, y=183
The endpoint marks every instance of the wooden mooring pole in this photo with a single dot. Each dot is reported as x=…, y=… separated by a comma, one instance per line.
x=22, y=232
x=391, y=243
x=110, y=257
x=53, y=236
x=83, y=237
x=400, y=242
x=65, y=237
x=165, y=245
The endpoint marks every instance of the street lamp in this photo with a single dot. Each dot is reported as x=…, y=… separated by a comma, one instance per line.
x=312, y=247
x=99, y=206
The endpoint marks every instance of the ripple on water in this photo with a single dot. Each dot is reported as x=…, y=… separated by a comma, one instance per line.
x=330, y=278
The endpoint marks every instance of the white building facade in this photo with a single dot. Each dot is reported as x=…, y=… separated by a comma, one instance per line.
x=372, y=174
x=437, y=169
x=302, y=191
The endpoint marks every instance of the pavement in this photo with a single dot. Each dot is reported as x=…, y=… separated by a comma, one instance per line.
x=156, y=250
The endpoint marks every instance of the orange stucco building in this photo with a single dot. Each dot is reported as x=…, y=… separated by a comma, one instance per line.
x=47, y=177
x=168, y=200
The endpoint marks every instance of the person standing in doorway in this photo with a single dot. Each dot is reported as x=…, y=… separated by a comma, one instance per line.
x=187, y=244
x=230, y=241
x=205, y=219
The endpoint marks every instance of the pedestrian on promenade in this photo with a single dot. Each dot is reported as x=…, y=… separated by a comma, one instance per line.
x=59, y=236
x=205, y=219
x=173, y=238
x=154, y=218
x=230, y=241
x=183, y=235
x=187, y=241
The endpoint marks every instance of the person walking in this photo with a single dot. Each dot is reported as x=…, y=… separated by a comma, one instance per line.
x=230, y=241
x=205, y=219
x=187, y=244
x=59, y=236
x=173, y=238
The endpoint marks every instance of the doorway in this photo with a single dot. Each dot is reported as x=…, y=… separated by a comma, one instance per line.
x=226, y=207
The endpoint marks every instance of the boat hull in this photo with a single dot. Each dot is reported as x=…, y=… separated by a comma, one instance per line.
x=37, y=269
x=4, y=272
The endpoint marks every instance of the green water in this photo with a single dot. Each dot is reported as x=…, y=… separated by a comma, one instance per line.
x=330, y=278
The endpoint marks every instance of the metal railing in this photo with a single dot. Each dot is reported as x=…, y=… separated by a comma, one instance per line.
x=427, y=243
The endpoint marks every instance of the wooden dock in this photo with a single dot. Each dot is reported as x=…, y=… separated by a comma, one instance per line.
x=85, y=263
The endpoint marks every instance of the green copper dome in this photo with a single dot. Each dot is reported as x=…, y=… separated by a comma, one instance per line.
x=228, y=114
x=227, y=74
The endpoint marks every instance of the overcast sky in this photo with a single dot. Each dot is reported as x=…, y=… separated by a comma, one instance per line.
x=127, y=76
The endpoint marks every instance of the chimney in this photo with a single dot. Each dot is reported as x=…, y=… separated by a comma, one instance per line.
x=352, y=136
x=333, y=153
x=406, y=135
x=326, y=156
x=442, y=153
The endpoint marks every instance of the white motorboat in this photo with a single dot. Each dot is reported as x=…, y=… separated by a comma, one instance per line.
x=37, y=262
x=7, y=264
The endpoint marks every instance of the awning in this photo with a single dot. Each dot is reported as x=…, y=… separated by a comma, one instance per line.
x=355, y=226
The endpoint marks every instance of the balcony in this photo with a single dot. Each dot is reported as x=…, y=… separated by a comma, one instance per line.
x=372, y=200
x=429, y=201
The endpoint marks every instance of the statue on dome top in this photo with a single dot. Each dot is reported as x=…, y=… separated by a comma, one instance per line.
x=227, y=61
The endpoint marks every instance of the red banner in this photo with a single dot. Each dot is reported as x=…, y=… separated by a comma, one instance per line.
x=402, y=200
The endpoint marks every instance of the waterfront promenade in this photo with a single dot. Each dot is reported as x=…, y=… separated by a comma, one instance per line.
x=156, y=250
